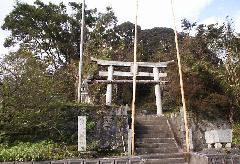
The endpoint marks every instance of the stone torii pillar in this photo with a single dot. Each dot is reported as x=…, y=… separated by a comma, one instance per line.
x=109, y=86
x=157, y=91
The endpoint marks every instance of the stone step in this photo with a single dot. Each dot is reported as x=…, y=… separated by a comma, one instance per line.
x=155, y=140
x=154, y=135
x=149, y=131
x=165, y=161
x=154, y=145
x=151, y=122
x=157, y=150
x=151, y=127
x=150, y=117
x=162, y=156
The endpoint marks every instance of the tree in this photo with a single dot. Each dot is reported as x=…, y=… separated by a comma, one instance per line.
x=228, y=46
x=205, y=74
x=52, y=34
x=28, y=83
x=29, y=88
x=51, y=31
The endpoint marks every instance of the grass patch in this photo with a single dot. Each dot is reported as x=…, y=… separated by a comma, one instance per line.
x=48, y=150
x=26, y=151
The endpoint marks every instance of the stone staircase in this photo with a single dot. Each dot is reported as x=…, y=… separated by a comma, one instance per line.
x=154, y=141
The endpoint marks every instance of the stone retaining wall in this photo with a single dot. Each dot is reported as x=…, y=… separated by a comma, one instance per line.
x=197, y=129
x=196, y=158
x=121, y=160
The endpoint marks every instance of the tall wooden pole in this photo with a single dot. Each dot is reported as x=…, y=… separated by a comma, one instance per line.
x=181, y=83
x=134, y=79
x=81, y=55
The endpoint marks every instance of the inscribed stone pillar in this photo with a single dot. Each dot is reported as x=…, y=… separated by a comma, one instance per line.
x=82, y=143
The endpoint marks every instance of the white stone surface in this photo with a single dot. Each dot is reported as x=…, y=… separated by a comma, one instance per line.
x=218, y=145
x=109, y=86
x=82, y=142
x=225, y=136
x=129, y=141
x=209, y=146
x=157, y=92
x=228, y=145
x=219, y=138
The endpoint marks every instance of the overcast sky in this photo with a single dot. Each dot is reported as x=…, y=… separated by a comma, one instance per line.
x=152, y=13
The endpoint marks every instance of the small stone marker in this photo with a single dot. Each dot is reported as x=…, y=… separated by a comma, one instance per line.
x=82, y=143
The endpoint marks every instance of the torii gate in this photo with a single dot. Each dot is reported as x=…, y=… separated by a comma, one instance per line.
x=156, y=74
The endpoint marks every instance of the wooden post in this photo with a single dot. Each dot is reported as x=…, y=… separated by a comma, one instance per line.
x=81, y=56
x=157, y=91
x=181, y=83
x=109, y=86
x=134, y=81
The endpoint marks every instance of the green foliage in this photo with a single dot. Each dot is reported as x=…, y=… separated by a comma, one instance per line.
x=28, y=91
x=210, y=71
x=27, y=151
x=58, y=123
x=236, y=134
x=47, y=150
x=56, y=137
x=47, y=29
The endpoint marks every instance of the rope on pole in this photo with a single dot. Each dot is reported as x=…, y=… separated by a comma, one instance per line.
x=181, y=82
x=81, y=56
x=134, y=79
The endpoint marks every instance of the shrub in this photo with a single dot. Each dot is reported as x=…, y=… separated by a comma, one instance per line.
x=236, y=134
x=27, y=151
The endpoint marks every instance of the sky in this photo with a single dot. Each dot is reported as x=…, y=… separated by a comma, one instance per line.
x=151, y=13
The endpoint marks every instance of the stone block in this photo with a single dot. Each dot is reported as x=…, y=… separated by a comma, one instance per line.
x=225, y=136
x=59, y=162
x=75, y=161
x=41, y=162
x=122, y=161
x=218, y=145
x=106, y=161
x=210, y=136
x=218, y=136
x=228, y=145
x=92, y=161
x=198, y=159
x=209, y=146
x=135, y=161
